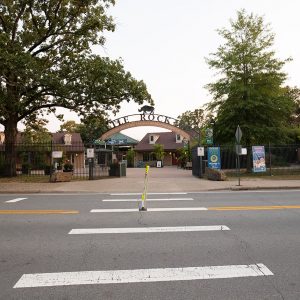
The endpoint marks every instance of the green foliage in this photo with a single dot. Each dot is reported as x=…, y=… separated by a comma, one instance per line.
x=130, y=157
x=158, y=151
x=191, y=120
x=69, y=126
x=184, y=155
x=46, y=62
x=68, y=167
x=92, y=127
x=195, y=122
x=249, y=90
x=36, y=133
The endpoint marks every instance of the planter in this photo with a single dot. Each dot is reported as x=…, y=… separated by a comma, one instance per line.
x=61, y=176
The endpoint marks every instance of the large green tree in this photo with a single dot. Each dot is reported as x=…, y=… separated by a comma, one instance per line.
x=92, y=127
x=249, y=88
x=46, y=62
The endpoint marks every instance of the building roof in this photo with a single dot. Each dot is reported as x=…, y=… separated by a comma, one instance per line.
x=167, y=139
x=121, y=139
x=76, y=144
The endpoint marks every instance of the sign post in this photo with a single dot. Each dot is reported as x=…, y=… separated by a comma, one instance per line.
x=238, y=137
x=90, y=154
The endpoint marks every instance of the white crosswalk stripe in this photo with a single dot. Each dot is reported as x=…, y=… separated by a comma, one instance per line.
x=148, y=229
x=141, y=275
x=155, y=199
x=15, y=200
x=162, y=209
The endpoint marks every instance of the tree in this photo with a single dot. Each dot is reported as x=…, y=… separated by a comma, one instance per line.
x=249, y=89
x=190, y=120
x=194, y=122
x=36, y=132
x=130, y=157
x=69, y=126
x=92, y=127
x=158, y=151
x=46, y=62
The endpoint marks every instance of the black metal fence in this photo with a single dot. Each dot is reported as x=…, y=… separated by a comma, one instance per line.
x=42, y=159
x=279, y=159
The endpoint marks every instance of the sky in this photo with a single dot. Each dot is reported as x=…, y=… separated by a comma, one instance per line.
x=165, y=42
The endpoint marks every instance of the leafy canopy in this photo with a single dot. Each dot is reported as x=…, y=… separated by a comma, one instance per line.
x=46, y=62
x=248, y=90
x=46, y=59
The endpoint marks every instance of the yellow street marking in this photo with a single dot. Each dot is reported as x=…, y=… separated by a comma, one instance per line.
x=255, y=207
x=37, y=212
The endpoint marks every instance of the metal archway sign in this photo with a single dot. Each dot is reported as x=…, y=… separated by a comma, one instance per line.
x=137, y=120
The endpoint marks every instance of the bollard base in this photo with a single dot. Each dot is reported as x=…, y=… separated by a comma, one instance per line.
x=142, y=209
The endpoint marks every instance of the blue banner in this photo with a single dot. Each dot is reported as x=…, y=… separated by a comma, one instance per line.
x=214, y=157
x=259, y=161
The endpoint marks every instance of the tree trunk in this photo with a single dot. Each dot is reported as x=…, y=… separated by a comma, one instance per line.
x=10, y=147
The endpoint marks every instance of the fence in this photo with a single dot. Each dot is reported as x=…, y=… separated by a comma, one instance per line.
x=280, y=160
x=37, y=160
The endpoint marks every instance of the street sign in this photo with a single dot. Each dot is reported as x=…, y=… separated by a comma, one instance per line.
x=90, y=153
x=200, y=151
x=238, y=134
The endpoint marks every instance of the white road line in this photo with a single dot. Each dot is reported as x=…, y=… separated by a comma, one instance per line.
x=148, y=209
x=157, y=199
x=132, y=194
x=15, y=200
x=148, y=229
x=141, y=275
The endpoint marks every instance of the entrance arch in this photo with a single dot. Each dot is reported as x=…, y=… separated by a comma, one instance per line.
x=138, y=120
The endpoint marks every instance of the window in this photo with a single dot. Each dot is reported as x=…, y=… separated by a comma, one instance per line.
x=145, y=156
x=149, y=156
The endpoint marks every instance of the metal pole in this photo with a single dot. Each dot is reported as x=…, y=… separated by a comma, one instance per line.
x=51, y=162
x=200, y=157
x=239, y=170
x=270, y=157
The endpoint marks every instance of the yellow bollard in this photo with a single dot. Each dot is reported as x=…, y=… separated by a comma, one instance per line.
x=142, y=206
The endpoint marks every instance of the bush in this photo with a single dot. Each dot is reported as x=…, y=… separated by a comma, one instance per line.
x=68, y=167
x=26, y=167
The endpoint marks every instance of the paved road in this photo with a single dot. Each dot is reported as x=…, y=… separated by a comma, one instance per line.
x=236, y=245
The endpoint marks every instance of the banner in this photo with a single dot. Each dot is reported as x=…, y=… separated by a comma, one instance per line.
x=209, y=135
x=259, y=161
x=213, y=157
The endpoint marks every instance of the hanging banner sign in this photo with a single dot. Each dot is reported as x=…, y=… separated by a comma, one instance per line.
x=57, y=154
x=259, y=161
x=209, y=135
x=214, y=157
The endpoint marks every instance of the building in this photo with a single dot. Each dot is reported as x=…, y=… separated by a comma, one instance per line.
x=36, y=155
x=171, y=143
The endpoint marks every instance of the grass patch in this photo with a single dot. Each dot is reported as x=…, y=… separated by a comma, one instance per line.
x=24, y=178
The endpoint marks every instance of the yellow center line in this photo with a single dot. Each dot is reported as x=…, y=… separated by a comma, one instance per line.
x=37, y=212
x=255, y=207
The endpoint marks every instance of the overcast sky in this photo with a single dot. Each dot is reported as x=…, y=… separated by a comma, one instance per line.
x=165, y=42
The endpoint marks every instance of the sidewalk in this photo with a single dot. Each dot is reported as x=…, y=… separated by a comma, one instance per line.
x=167, y=179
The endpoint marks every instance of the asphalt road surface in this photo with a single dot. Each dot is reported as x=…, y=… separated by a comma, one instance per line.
x=210, y=245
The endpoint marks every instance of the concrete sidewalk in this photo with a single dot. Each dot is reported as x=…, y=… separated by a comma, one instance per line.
x=167, y=179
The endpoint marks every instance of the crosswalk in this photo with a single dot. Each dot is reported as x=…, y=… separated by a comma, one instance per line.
x=165, y=273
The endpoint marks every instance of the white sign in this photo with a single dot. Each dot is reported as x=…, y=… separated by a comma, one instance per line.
x=244, y=151
x=57, y=154
x=90, y=153
x=200, y=151
x=158, y=164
